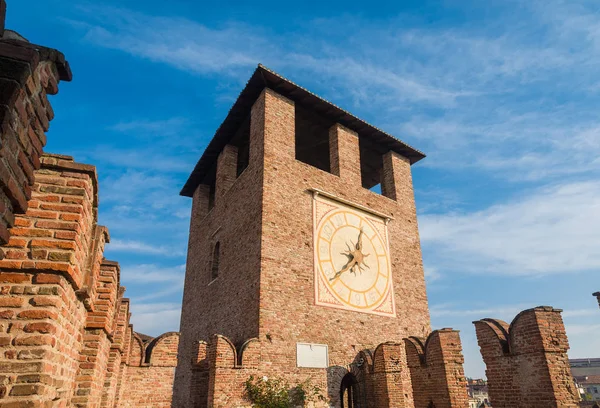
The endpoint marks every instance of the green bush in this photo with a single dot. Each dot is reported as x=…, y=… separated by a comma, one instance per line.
x=276, y=393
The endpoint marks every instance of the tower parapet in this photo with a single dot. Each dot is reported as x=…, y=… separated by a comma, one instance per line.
x=526, y=363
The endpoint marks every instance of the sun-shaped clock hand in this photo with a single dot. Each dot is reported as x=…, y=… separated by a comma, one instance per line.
x=356, y=259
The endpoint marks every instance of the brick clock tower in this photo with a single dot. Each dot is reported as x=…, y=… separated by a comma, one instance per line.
x=297, y=268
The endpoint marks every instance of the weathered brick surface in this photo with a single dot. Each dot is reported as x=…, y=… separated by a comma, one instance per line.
x=28, y=73
x=64, y=324
x=226, y=376
x=149, y=383
x=46, y=259
x=436, y=368
x=265, y=287
x=390, y=379
x=526, y=363
x=94, y=356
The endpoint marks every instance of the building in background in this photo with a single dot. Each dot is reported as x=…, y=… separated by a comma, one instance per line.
x=581, y=367
x=477, y=389
x=589, y=387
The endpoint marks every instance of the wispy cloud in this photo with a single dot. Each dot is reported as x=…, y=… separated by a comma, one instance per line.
x=396, y=74
x=175, y=288
x=152, y=273
x=554, y=230
x=189, y=46
x=166, y=127
x=144, y=248
x=155, y=318
x=432, y=274
x=234, y=48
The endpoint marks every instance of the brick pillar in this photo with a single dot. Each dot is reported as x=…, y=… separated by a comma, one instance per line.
x=344, y=154
x=396, y=180
x=200, y=377
x=526, y=363
x=28, y=73
x=436, y=368
x=390, y=377
x=221, y=361
x=97, y=338
x=597, y=294
x=42, y=281
x=123, y=335
x=200, y=205
x=110, y=380
x=226, y=171
x=272, y=128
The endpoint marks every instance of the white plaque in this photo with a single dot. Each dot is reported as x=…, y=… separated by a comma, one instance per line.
x=312, y=355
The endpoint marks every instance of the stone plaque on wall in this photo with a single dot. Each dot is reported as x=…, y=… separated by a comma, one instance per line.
x=312, y=355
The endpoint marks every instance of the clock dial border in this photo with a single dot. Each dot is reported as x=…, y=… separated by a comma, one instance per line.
x=325, y=207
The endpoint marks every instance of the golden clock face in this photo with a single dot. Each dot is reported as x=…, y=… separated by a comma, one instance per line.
x=352, y=263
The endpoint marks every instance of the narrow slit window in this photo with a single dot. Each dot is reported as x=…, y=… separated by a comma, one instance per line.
x=241, y=140
x=211, y=196
x=214, y=268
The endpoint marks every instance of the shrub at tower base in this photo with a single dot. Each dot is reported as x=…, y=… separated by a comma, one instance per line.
x=275, y=392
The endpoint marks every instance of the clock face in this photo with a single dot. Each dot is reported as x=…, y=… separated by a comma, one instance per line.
x=352, y=265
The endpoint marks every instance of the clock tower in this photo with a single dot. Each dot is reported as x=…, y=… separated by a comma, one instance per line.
x=303, y=243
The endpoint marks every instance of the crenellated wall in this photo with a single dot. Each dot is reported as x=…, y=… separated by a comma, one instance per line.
x=65, y=335
x=378, y=377
x=44, y=274
x=436, y=368
x=526, y=363
x=149, y=379
x=391, y=381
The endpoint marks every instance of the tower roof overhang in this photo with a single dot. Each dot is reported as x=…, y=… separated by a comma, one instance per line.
x=265, y=78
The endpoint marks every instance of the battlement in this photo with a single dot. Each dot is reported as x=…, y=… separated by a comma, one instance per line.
x=63, y=317
x=315, y=118
x=436, y=368
x=526, y=362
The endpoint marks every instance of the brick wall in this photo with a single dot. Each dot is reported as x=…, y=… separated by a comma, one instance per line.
x=149, y=382
x=436, y=368
x=380, y=377
x=526, y=363
x=28, y=74
x=94, y=357
x=390, y=378
x=47, y=258
x=65, y=335
x=227, y=374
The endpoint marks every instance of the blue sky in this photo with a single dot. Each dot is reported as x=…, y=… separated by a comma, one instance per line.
x=503, y=96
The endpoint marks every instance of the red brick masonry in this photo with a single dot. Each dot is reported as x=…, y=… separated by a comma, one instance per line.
x=65, y=335
x=526, y=363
